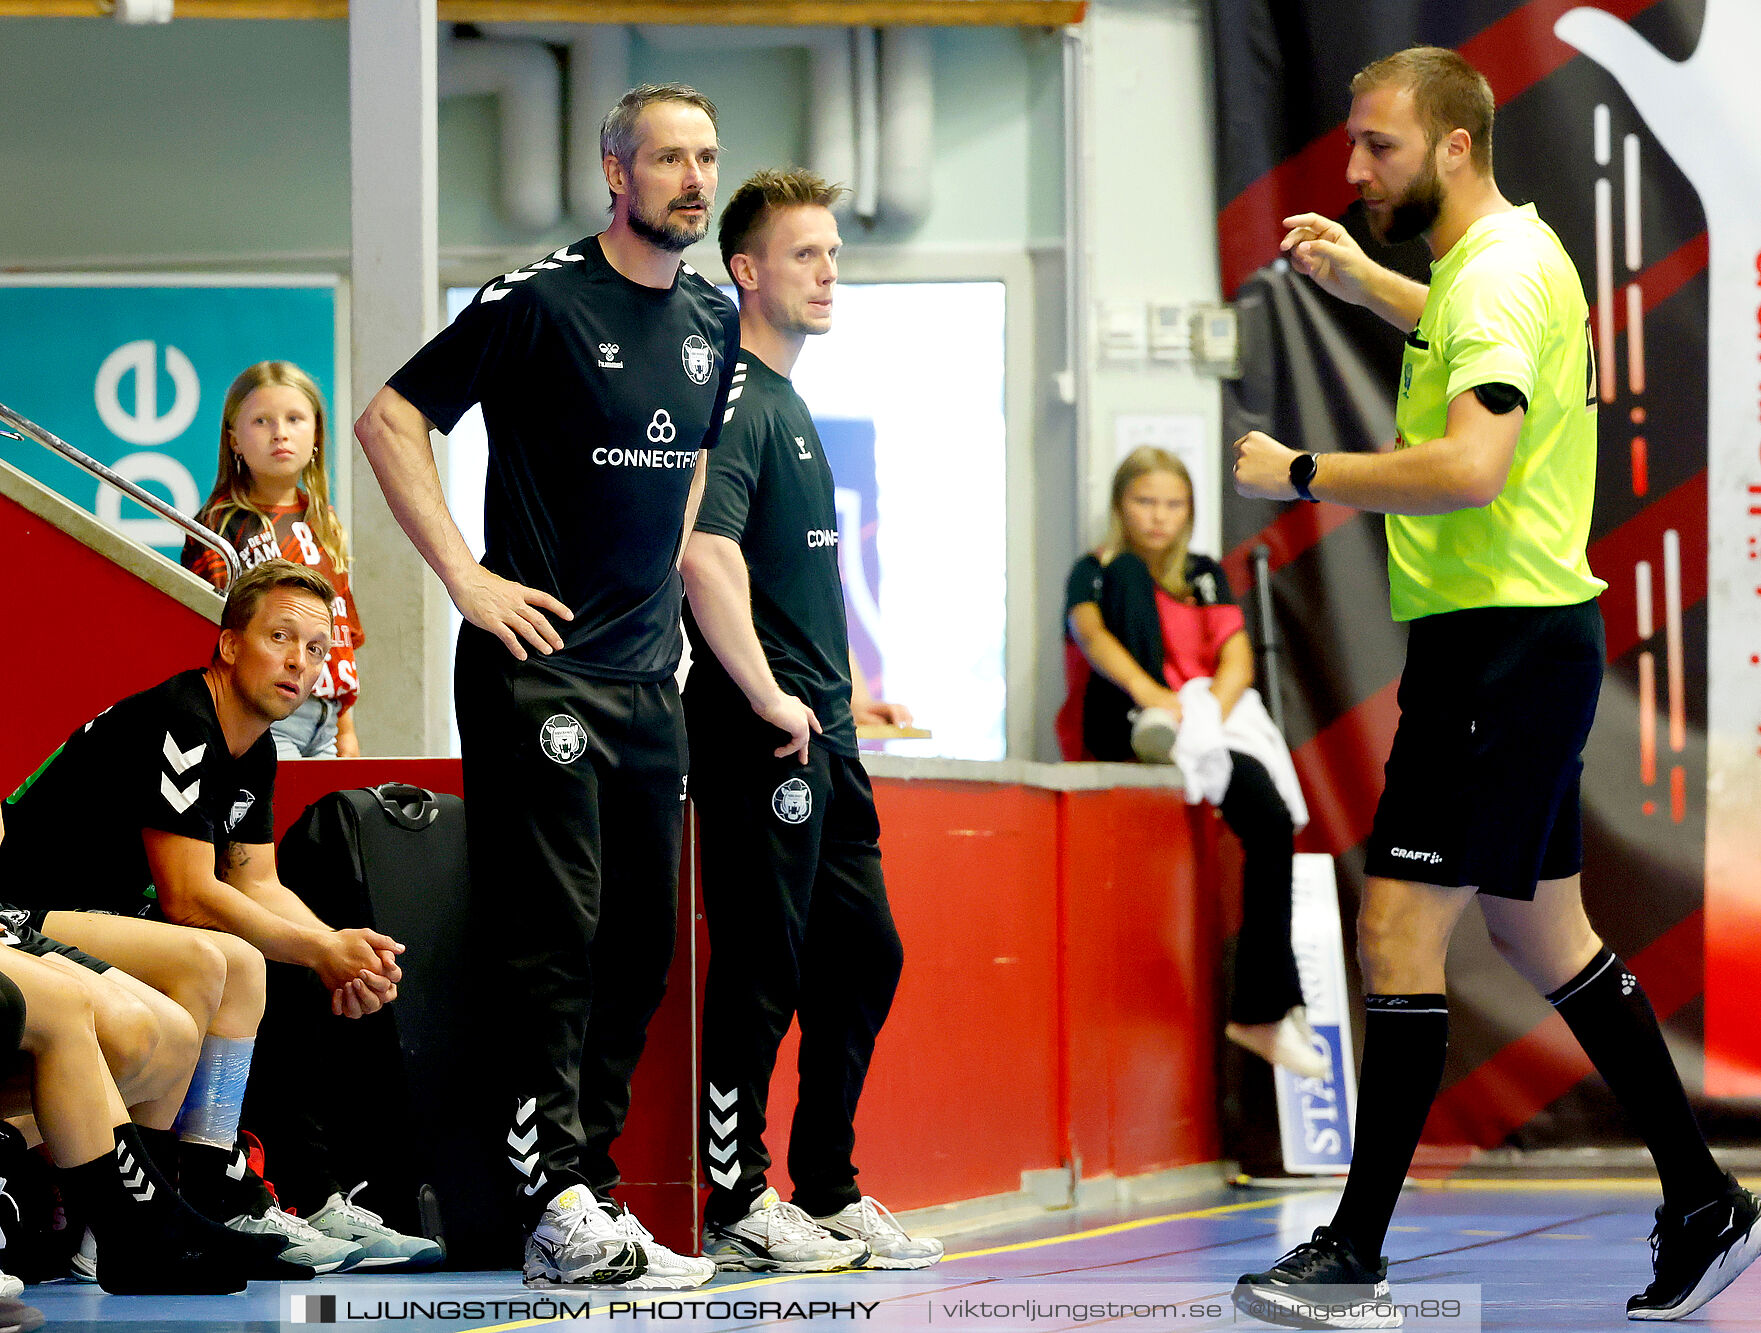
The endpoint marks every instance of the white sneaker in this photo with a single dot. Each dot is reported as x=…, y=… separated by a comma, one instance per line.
x=386, y=1250
x=665, y=1268
x=83, y=1267
x=306, y=1244
x=889, y=1245
x=578, y=1243
x=11, y=1286
x=1152, y=735
x=1290, y=1042
x=777, y=1237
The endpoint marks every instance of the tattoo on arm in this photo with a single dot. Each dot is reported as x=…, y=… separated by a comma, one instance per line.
x=238, y=856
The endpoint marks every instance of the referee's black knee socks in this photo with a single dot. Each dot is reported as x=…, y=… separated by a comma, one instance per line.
x=1608, y=1013
x=1405, y=1038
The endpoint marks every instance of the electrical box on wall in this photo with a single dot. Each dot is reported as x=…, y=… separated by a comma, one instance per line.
x=1123, y=331
x=1216, y=340
x=1170, y=332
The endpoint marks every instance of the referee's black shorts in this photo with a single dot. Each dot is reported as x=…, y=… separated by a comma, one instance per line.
x=1481, y=786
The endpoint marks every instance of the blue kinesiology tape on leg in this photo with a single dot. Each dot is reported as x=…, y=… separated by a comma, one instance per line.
x=211, y=1108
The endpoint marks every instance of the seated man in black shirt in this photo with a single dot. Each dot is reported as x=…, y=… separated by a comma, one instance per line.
x=798, y=914
x=168, y=797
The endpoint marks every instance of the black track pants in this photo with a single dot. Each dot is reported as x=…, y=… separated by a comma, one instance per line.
x=576, y=794
x=798, y=926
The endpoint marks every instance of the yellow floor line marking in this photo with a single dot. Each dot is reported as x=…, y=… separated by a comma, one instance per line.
x=1606, y=1185
x=1119, y=1227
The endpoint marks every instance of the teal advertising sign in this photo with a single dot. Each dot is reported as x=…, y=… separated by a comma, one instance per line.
x=134, y=372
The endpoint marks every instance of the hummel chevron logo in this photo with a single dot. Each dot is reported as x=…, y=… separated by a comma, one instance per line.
x=139, y=1187
x=524, y=1165
x=556, y=260
x=721, y=1129
x=179, y=800
x=525, y=1110
x=722, y=1151
x=727, y=1179
x=236, y=1169
x=722, y=1100
x=536, y=1185
x=182, y=761
x=523, y=1142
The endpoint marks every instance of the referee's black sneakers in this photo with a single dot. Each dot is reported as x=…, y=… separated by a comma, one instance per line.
x=1320, y=1284
x=1697, y=1255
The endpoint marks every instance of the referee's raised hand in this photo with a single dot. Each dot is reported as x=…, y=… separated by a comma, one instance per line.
x=510, y=611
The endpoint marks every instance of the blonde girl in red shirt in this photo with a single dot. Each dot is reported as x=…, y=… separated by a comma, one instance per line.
x=271, y=498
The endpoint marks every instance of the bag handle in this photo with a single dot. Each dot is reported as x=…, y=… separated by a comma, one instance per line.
x=412, y=808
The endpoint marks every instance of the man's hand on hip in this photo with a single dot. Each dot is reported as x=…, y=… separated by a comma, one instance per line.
x=510, y=611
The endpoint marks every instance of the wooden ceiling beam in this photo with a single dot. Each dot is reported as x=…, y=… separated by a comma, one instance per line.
x=757, y=13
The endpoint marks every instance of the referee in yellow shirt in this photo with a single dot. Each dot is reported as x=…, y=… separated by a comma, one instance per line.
x=1488, y=491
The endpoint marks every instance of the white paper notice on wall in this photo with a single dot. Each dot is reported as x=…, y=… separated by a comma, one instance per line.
x=1186, y=436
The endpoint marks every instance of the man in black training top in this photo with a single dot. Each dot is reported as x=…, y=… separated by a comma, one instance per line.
x=168, y=797
x=603, y=372
x=798, y=915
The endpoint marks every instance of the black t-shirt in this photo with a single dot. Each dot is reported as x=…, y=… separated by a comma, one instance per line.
x=157, y=760
x=770, y=489
x=597, y=393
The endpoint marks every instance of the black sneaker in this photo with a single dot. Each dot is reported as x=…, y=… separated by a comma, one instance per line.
x=1320, y=1284
x=1698, y=1255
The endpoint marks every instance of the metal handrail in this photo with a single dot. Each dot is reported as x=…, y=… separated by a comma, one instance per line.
x=49, y=440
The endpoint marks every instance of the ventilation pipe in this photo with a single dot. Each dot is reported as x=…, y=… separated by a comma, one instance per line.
x=142, y=11
x=906, y=173
x=870, y=121
x=598, y=71
x=599, y=74
x=865, y=44
x=831, y=114
x=523, y=78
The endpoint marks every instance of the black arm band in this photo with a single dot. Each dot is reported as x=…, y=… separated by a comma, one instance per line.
x=1500, y=398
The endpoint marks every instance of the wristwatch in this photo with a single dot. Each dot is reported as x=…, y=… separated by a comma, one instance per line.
x=1302, y=472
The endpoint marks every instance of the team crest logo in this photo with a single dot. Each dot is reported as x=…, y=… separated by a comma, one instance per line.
x=241, y=806
x=562, y=738
x=698, y=360
x=793, y=801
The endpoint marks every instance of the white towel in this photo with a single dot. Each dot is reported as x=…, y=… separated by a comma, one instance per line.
x=1205, y=738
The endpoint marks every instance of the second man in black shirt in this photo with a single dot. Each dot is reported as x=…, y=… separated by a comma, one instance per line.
x=797, y=910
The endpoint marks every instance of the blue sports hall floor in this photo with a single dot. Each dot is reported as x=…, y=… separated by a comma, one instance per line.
x=1512, y=1256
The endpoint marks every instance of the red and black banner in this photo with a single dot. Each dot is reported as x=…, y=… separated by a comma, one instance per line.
x=1635, y=129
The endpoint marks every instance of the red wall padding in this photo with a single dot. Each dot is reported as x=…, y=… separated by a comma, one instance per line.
x=81, y=633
